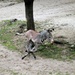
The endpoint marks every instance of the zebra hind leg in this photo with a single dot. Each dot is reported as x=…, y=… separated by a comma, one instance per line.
x=33, y=55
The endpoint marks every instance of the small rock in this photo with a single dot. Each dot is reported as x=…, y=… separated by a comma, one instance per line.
x=72, y=45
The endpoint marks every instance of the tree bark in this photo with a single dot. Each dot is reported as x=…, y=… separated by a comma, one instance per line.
x=29, y=14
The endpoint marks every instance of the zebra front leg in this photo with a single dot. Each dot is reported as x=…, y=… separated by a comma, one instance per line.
x=26, y=55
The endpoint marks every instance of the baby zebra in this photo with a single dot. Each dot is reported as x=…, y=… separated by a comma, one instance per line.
x=34, y=41
x=39, y=36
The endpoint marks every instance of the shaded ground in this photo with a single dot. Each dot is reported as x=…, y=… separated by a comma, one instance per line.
x=59, y=13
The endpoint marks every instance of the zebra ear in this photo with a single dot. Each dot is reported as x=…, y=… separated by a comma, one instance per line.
x=31, y=41
x=50, y=30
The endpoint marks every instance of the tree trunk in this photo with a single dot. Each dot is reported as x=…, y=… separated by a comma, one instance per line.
x=29, y=14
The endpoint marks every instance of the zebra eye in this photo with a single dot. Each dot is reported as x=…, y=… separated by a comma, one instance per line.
x=42, y=40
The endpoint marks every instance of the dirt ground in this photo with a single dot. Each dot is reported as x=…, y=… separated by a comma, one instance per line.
x=60, y=14
x=11, y=64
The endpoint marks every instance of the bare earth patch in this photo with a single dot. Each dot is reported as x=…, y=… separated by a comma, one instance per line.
x=11, y=63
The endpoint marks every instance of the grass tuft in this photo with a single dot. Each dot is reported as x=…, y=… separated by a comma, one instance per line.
x=7, y=33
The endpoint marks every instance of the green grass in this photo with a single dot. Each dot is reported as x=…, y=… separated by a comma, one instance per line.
x=7, y=33
x=56, y=52
x=50, y=51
